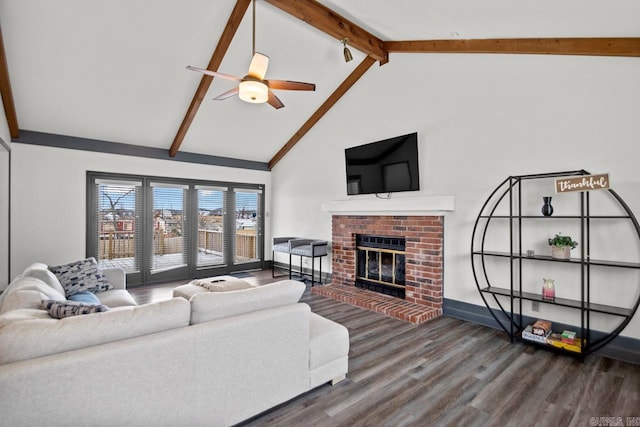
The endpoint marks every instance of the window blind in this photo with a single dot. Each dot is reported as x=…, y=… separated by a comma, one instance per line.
x=117, y=227
x=169, y=237
x=212, y=239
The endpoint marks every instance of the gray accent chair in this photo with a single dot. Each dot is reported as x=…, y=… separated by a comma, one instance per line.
x=280, y=244
x=302, y=247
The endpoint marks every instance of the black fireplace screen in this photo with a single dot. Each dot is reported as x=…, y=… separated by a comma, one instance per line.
x=380, y=264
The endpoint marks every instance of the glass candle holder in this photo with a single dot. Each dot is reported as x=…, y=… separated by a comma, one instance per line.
x=548, y=289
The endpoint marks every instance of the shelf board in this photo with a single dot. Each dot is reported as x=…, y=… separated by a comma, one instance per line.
x=599, y=308
x=561, y=350
x=599, y=262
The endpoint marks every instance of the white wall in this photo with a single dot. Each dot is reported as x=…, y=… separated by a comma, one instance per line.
x=4, y=200
x=4, y=218
x=480, y=118
x=49, y=196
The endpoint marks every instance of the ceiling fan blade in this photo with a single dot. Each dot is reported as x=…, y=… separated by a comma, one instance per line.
x=214, y=74
x=289, y=85
x=274, y=101
x=227, y=94
x=258, y=66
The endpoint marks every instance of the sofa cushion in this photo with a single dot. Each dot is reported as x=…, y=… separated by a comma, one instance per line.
x=188, y=290
x=27, y=292
x=41, y=271
x=23, y=314
x=116, y=277
x=83, y=275
x=116, y=298
x=25, y=334
x=328, y=341
x=208, y=306
x=85, y=297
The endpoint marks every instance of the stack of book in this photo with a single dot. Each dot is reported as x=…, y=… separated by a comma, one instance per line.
x=538, y=332
x=541, y=327
x=541, y=332
x=568, y=337
x=566, y=340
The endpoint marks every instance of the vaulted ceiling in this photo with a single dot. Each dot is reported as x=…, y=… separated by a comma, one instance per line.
x=115, y=70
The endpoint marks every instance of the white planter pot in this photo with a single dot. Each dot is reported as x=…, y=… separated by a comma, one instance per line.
x=563, y=252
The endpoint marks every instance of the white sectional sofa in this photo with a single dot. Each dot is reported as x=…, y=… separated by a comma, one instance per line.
x=216, y=359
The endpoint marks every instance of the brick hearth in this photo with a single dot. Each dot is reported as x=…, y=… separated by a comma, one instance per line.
x=423, y=264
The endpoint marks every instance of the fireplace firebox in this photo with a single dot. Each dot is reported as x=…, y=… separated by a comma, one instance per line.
x=380, y=264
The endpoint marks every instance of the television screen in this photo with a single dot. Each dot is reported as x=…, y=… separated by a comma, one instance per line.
x=385, y=166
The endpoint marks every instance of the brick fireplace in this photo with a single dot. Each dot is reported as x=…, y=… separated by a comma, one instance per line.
x=424, y=256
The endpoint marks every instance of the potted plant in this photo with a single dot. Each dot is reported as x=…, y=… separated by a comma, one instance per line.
x=561, y=246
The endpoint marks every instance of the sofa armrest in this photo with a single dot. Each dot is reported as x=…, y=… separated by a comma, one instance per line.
x=116, y=276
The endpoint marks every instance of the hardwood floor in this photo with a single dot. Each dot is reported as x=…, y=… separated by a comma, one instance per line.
x=451, y=372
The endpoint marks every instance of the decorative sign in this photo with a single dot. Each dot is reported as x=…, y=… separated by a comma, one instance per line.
x=582, y=183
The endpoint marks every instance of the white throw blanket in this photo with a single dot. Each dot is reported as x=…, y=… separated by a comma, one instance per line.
x=222, y=284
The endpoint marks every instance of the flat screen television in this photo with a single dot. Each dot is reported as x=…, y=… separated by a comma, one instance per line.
x=386, y=166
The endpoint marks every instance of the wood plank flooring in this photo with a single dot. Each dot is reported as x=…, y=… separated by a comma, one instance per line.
x=451, y=372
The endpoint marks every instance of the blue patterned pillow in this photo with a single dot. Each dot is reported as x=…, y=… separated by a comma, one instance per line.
x=84, y=275
x=85, y=297
x=62, y=309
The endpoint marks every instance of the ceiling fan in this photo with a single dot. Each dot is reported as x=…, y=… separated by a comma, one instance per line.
x=253, y=87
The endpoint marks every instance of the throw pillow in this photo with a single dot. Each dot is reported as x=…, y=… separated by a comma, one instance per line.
x=85, y=297
x=83, y=275
x=62, y=309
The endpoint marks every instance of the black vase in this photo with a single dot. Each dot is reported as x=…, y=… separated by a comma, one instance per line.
x=547, y=209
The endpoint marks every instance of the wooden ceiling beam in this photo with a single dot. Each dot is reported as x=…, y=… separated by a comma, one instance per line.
x=205, y=82
x=7, y=93
x=624, y=46
x=326, y=20
x=355, y=75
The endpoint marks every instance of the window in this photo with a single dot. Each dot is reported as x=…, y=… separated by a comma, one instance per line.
x=211, y=235
x=160, y=229
x=116, y=215
x=246, y=225
x=169, y=242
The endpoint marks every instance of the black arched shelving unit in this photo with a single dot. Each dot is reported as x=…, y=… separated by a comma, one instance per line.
x=510, y=221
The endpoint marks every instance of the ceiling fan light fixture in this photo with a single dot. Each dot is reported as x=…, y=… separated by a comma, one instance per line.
x=346, y=52
x=253, y=91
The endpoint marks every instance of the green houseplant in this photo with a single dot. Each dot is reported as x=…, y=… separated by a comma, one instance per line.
x=561, y=246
